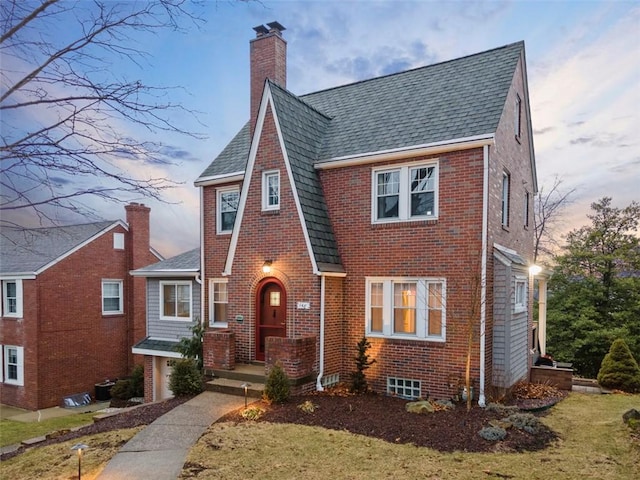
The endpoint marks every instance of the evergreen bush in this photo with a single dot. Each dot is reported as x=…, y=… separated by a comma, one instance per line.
x=277, y=387
x=358, y=380
x=123, y=389
x=493, y=434
x=137, y=381
x=185, y=378
x=619, y=370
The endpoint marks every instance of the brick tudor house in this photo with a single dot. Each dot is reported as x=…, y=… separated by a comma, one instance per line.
x=396, y=208
x=70, y=310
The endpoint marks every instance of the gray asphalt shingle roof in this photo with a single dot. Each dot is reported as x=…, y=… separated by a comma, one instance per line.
x=187, y=261
x=27, y=250
x=451, y=100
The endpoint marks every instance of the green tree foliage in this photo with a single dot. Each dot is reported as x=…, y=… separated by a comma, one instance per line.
x=595, y=289
x=185, y=378
x=191, y=347
x=277, y=387
x=358, y=379
x=619, y=369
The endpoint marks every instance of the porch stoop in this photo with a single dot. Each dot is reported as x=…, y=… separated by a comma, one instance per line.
x=231, y=381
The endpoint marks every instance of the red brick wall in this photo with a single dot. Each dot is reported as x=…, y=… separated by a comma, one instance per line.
x=448, y=247
x=219, y=350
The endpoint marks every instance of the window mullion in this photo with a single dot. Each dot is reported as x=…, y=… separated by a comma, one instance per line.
x=387, y=307
x=405, y=194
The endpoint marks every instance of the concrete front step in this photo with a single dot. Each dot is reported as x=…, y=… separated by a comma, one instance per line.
x=232, y=386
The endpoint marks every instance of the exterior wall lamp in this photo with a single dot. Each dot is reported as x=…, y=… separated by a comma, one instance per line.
x=535, y=270
x=266, y=266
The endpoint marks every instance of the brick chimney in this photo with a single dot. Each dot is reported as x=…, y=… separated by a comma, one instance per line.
x=268, y=59
x=138, y=256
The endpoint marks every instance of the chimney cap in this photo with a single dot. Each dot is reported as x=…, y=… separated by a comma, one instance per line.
x=261, y=30
x=276, y=26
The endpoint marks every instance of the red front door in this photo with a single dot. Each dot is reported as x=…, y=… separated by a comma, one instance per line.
x=271, y=309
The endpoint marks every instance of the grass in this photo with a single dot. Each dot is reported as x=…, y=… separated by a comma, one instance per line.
x=594, y=444
x=15, y=432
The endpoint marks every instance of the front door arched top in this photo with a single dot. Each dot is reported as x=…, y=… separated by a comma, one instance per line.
x=271, y=313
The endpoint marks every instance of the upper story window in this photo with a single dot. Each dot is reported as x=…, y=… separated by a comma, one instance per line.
x=527, y=200
x=13, y=365
x=12, y=298
x=520, y=301
x=112, y=297
x=271, y=190
x=506, y=181
x=219, y=301
x=517, y=121
x=228, y=199
x=118, y=241
x=407, y=192
x=175, y=300
x=406, y=308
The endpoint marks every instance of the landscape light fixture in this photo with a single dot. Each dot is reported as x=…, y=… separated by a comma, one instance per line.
x=246, y=392
x=266, y=266
x=79, y=447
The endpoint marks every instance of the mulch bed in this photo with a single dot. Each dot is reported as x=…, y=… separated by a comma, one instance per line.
x=385, y=417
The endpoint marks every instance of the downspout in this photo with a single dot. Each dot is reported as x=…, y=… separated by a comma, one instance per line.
x=319, y=386
x=200, y=280
x=483, y=273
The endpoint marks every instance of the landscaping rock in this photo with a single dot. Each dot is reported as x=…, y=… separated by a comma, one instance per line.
x=420, y=407
x=630, y=415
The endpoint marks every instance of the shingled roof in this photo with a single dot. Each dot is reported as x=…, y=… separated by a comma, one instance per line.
x=183, y=264
x=30, y=250
x=453, y=100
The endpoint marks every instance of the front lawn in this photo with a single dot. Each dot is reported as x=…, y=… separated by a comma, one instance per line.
x=16, y=432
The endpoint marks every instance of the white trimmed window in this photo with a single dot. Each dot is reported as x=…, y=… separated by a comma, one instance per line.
x=118, y=241
x=112, y=302
x=271, y=190
x=409, y=308
x=517, y=121
x=227, y=201
x=175, y=301
x=12, y=298
x=506, y=180
x=13, y=365
x=219, y=301
x=408, y=192
x=520, y=294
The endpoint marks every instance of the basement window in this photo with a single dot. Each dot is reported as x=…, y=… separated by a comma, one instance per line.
x=404, y=388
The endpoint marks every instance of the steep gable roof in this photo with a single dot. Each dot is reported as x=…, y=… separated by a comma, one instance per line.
x=457, y=99
x=31, y=250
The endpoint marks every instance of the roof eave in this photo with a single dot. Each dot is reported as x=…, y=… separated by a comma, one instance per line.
x=219, y=179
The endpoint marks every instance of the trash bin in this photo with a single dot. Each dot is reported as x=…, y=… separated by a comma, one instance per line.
x=103, y=391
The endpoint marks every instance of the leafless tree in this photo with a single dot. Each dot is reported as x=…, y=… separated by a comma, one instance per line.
x=71, y=128
x=549, y=205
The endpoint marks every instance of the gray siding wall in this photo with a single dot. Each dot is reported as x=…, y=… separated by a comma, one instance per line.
x=169, y=329
x=510, y=336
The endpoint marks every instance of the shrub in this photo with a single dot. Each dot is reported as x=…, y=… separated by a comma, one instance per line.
x=358, y=379
x=308, y=406
x=252, y=413
x=493, y=434
x=502, y=409
x=277, y=387
x=191, y=347
x=123, y=389
x=137, y=381
x=619, y=370
x=524, y=421
x=185, y=378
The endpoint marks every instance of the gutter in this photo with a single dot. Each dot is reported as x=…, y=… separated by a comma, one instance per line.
x=319, y=386
x=483, y=273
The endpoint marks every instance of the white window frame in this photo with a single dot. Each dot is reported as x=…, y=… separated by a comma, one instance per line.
x=120, y=311
x=505, y=198
x=266, y=197
x=422, y=309
x=520, y=294
x=404, y=193
x=176, y=283
x=219, y=211
x=5, y=311
x=118, y=241
x=213, y=321
x=19, y=363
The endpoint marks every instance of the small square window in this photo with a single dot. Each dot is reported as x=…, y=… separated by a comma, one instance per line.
x=118, y=241
x=404, y=387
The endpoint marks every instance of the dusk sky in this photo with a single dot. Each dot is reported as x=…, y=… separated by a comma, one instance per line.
x=583, y=62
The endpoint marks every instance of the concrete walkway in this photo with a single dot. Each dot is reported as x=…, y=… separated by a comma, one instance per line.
x=159, y=451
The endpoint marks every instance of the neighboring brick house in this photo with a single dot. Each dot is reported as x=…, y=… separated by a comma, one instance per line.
x=395, y=208
x=173, y=308
x=70, y=310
